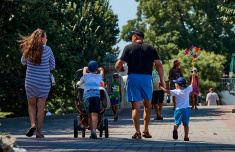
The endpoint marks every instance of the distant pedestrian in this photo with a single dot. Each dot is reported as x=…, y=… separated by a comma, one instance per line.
x=211, y=98
x=182, y=111
x=116, y=96
x=40, y=61
x=139, y=57
x=174, y=74
x=196, y=90
x=158, y=94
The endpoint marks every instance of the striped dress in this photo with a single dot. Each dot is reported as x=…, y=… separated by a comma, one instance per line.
x=37, y=81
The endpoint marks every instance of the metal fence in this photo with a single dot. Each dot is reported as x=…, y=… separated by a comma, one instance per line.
x=227, y=84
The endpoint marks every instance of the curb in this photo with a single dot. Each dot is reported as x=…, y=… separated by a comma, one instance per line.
x=26, y=119
x=17, y=120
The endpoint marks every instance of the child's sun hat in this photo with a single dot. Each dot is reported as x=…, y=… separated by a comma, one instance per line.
x=116, y=74
x=92, y=66
x=195, y=69
x=176, y=62
x=181, y=82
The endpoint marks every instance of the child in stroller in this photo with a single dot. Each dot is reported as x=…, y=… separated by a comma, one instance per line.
x=91, y=117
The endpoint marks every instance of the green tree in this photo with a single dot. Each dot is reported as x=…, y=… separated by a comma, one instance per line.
x=209, y=66
x=173, y=25
x=78, y=31
x=228, y=8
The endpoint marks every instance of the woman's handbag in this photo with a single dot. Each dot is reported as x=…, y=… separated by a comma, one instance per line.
x=168, y=99
x=199, y=99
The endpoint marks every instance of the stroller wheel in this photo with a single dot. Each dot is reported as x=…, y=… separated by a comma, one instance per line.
x=101, y=133
x=106, y=128
x=75, y=128
x=83, y=133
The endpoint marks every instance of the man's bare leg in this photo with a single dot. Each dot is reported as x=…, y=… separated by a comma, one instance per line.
x=147, y=114
x=136, y=114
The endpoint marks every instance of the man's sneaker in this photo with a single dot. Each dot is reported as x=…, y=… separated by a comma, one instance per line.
x=93, y=135
x=196, y=108
x=137, y=135
x=146, y=134
x=175, y=134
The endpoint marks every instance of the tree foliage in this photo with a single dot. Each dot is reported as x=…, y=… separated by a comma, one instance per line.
x=228, y=8
x=209, y=66
x=173, y=25
x=77, y=31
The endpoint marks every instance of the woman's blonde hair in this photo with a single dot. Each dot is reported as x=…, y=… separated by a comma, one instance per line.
x=32, y=46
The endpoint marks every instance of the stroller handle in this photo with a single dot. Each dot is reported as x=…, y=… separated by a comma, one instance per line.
x=76, y=73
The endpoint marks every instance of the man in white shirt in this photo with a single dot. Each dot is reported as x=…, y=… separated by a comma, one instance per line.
x=211, y=98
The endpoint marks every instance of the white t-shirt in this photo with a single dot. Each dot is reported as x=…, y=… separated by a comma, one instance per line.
x=211, y=98
x=92, y=83
x=182, y=97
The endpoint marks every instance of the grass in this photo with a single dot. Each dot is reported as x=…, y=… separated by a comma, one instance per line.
x=4, y=114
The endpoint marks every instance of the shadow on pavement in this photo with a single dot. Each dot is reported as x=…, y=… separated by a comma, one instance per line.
x=118, y=144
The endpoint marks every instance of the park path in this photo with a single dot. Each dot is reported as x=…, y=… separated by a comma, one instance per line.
x=211, y=129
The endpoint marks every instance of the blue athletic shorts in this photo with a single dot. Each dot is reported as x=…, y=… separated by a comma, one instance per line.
x=114, y=101
x=182, y=115
x=139, y=87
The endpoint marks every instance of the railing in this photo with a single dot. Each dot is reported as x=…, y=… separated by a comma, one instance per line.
x=228, y=84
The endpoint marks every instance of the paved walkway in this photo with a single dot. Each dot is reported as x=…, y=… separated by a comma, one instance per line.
x=211, y=129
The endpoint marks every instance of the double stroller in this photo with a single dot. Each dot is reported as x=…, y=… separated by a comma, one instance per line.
x=82, y=124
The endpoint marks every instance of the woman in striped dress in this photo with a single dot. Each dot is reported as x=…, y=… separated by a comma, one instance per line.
x=40, y=61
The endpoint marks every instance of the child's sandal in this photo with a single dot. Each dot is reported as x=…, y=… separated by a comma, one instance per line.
x=186, y=139
x=175, y=134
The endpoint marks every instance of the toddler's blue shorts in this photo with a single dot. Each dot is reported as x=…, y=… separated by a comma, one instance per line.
x=182, y=115
x=139, y=87
x=114, y=101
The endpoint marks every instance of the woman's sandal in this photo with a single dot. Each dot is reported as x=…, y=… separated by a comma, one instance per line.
x=40, y=136
x=30, y=131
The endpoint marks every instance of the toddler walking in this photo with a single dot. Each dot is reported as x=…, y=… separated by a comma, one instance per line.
x=182, y=111
x=91, y=95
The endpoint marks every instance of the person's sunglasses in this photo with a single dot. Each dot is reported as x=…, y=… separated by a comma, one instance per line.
x=115, y=77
